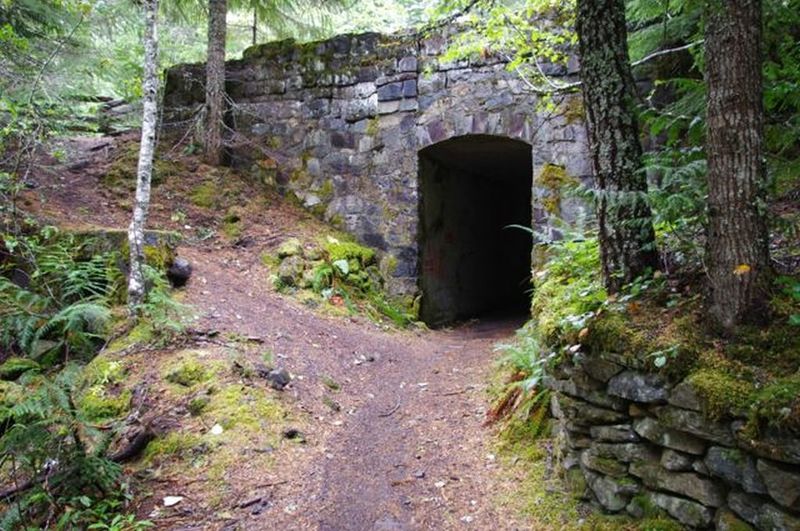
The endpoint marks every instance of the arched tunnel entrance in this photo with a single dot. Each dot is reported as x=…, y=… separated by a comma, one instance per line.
x=472, y=265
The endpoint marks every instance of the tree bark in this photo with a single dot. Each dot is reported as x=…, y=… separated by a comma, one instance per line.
x=136, y=281
x=627, y=239
x=215, y=80
x=738, y=240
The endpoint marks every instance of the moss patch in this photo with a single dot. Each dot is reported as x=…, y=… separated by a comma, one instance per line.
x=99, y=403
x=205, y=195
x=338, y=250
x=244, y=407
x=188, y=373
x=172, y=445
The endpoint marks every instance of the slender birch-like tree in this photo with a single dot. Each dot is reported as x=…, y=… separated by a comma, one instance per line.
x=136, y=281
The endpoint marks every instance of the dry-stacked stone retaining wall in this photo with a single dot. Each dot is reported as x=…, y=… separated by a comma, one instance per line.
x=631, y=441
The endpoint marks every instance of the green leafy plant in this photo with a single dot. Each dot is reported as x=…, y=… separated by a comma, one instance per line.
x=791, y=287
x=55, y=456
x=61, y=310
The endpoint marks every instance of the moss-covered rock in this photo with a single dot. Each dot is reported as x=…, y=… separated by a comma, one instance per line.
x=290, y=247
x=338, y=250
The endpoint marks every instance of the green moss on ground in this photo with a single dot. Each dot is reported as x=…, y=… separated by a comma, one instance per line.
x=244, y=407
x=205, y=195
x=188, y=372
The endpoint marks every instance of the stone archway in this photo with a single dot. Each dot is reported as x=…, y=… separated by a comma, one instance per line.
x=471, y=188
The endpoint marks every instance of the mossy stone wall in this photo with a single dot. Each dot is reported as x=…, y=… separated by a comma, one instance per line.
x=338, y=124
x=642, y=442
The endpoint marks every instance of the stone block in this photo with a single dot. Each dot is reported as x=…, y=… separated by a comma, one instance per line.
x=615, y=433
x=762, y=514
x=736, y=467
x=409, y=105
x=598, y=368
x=585, y=413
x=407, y=64
x=431, y=83
x=726, y=520
x=695, y=423
x=603, y=465
x=684, y=396
x=676, y=461
x=625, y=452
x=687, y=512
x=652, y=430
x=410, y=88
x=773, y=444
x=585, y=389
x=639, y=387
x=388, y=107
x=687, y=484
x=390, y=92
x=782, y=483
x=341, y=139
x=613, y=494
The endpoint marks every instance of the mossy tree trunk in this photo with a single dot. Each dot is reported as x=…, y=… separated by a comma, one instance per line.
x=144, y=172
x=215, y=81
x=738, y=241
x=627, y=239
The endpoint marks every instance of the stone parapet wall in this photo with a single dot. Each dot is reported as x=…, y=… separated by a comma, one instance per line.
x=338, y=124
x=631, y=441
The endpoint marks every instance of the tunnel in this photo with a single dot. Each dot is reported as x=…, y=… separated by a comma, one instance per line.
x=472, y=263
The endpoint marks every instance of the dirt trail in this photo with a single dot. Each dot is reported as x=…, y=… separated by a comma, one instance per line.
x=408, y=449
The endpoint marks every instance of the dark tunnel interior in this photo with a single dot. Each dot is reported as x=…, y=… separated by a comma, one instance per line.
x=472, y=264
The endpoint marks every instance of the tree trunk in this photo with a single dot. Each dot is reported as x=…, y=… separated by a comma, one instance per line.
x=627, y=239
x=136, y=282
x=738, y=241
x=255, y=26
x=215, y=80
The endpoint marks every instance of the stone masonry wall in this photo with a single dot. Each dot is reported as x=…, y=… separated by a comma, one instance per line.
x=338, y=124
x=632, y=441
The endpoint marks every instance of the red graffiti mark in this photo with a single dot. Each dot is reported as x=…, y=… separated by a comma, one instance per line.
x=432, y=263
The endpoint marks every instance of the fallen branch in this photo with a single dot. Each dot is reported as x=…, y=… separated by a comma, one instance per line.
x=390, y=412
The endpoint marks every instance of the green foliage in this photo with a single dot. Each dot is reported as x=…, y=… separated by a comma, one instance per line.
x=164, y=317
x=567, y=289
x=13, y=368
x=791, y=288
x=528, y=33
x=63, y=308
x=525, y=355
x=45, y=431
x=205, y=195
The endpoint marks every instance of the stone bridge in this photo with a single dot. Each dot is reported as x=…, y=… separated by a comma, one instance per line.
x=426, y=159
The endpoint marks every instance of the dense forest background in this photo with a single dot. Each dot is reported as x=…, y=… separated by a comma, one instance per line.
x=690, y=262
